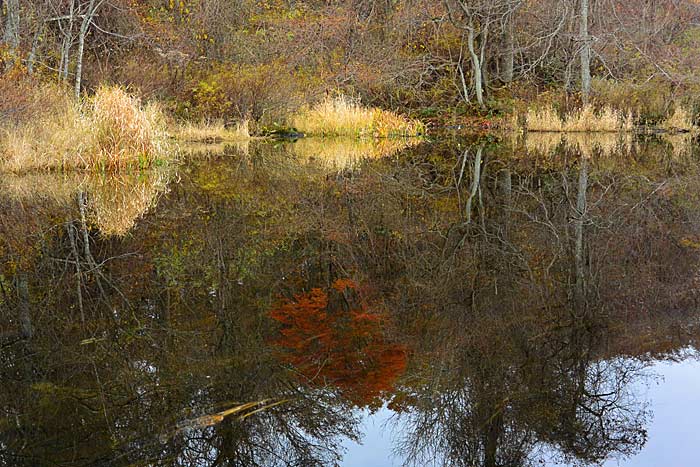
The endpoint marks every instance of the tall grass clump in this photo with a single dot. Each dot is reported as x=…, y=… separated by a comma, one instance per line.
x=546, y=119
x=123, y=132
x=109, y=131
x=607, y=120
x=343, y=116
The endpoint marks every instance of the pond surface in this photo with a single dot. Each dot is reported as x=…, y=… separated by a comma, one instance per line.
x=516, y=302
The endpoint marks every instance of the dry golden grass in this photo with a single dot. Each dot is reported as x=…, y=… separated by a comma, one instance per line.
x=109, y=131
x=679, y=120
x=545, y=119
x=585, y=120
x=341, y=153
x=124, y=133
x=211, y=132
x=342, y=116
x=114, y=202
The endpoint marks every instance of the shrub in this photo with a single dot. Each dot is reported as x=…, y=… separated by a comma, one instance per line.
x=233, y=92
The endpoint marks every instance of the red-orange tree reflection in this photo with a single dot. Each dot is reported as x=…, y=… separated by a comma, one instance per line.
x=333, y=337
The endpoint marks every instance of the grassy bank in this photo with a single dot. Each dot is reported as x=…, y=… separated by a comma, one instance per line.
x=584, y=120
x=49, y=129
x=343, y=116
x=211, y=132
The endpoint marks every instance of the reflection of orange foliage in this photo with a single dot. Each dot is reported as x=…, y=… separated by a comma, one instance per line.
x=337, y=340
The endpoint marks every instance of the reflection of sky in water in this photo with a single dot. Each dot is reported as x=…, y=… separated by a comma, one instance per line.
x=674, y=436
x=378, y=431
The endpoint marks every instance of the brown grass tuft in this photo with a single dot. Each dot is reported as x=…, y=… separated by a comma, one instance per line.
x=545, y=119
x=123, y=132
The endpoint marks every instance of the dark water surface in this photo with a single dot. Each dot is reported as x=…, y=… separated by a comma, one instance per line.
x=527, y=301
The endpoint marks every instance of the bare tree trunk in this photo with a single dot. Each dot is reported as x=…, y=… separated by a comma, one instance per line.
x=460, y=69
x=31, y=59
x=476, y=66
x=483, y=59
x=67, y=43
x=509, y=57
x=84, y=28
x=475, y=183
x=465, y=90
x=78, y=272
x=585, y=53
x=11, y=35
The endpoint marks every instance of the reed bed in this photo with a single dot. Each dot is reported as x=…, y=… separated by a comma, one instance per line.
x=607, y=120
x=343, y=116
x=110, y=131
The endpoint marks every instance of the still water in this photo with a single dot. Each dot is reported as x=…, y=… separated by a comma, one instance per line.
x=500, y=302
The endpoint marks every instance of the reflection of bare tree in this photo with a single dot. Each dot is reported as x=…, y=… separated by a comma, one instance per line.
x=520, y=362
x=501, y=357
x=135, y=336
x=494, y=409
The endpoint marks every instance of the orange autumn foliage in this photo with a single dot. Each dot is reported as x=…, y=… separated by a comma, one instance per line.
x=333, y=338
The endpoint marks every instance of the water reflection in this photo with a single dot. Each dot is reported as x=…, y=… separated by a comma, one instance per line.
x=252, y=308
